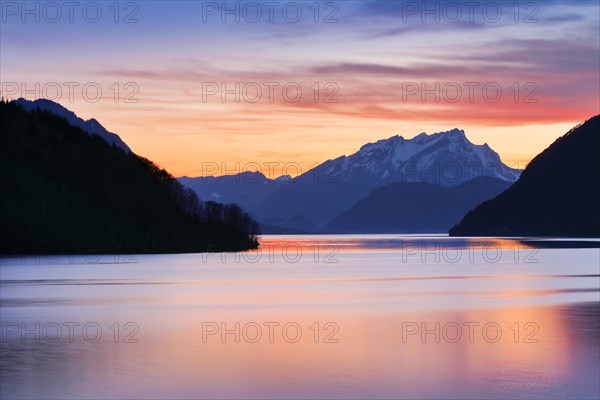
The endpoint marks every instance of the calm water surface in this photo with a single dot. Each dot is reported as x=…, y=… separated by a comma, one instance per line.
x=376, y=316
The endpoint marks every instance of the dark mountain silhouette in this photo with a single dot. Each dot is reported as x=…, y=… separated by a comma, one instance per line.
x=66, y=191
x=312, y=199
x=411, y=207
x=558, y=194
x=91, y=126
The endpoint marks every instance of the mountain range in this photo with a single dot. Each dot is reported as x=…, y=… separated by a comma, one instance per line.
x=325, y=197
x=52, y=175
x=317, y=197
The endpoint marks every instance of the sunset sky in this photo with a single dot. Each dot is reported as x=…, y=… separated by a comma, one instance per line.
x=372, y=58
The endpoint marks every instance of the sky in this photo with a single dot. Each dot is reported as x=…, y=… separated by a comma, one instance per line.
x=280, y=86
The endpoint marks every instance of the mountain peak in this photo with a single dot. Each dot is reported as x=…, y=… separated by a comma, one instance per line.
x=456, y=133
x=252, y=176
x=423, y=138
x=424, y=158
x=453, y=134
x=283, y=178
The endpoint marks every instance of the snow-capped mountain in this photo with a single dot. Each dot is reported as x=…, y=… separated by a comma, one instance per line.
x=444, y=158
x=91, y=126
x=320, y=194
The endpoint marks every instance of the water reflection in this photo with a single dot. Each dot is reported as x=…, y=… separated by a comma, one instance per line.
x=376, y=323
x=373, y=356
x=407, y=243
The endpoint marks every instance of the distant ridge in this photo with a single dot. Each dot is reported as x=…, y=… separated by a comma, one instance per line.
x=415, y=207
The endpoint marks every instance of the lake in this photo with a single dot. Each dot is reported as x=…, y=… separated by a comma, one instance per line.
x=335, y=316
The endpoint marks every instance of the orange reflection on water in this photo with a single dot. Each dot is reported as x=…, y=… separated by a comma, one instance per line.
x=364, y=352
x=374, y=355
x=292, y=246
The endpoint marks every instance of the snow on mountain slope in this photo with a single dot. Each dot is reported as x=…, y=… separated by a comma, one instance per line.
x=445, y=158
